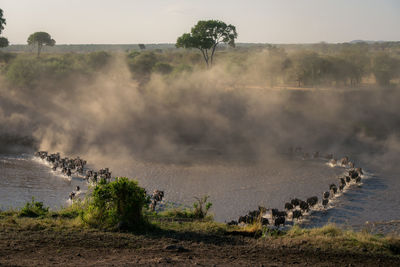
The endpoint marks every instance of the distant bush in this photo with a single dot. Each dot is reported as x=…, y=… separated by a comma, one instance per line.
x=182, y=68
x=162, y=68
x=6, y=57
x=33, y=209
x=98, y=60
x=116, y=203
x=201, y=207
x=142, y=65
x=385, y=68
x=199, y=210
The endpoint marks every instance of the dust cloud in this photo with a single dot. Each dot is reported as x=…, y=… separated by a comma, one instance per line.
x=206, y=115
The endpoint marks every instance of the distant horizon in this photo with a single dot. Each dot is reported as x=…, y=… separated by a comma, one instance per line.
x=172, y=43
x=163, y=21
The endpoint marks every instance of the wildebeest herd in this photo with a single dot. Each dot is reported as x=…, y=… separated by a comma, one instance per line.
x=296, y=208
x=77, y=166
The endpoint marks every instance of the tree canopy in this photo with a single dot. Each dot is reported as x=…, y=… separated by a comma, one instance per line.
x=206, y=35
x=2, y=21
x=3, y=40
x=40, y=39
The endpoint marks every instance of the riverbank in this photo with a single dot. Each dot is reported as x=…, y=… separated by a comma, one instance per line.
x=56, y=239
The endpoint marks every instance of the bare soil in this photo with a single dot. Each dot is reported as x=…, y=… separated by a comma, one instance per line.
x=43, y=246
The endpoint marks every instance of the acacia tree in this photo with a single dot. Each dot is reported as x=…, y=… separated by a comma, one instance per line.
x=3, y=40
x=40, y=39
x=206, y=35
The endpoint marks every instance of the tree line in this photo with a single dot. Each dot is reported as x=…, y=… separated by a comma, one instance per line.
x=340, y=65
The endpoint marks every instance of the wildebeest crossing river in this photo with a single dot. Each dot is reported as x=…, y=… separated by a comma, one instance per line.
x=233, y=189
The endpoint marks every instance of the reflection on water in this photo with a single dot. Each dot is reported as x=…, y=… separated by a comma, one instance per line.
x=233, y=189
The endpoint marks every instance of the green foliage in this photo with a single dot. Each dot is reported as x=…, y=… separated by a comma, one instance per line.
x=182, y=68
x=163, y=68
x=120, y=201
x=72, y=211
x=6, y=57
x=40, y=39
x=97, y=60
x=206, y=35
x=201, y=207
x=32, y=72
x=133, y=54
x=385, y=68
x=142, y=64
x=3, y=42
x=33, y=209
x=179, y=213
x=2, y=21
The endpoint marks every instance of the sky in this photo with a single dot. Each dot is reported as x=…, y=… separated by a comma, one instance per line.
x=162, y=21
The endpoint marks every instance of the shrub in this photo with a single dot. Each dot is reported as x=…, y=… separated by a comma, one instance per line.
x=201, y=207
x=163, y=68
x=33, y=209
x=142, y=64
x=98, y=60
x=116, y=203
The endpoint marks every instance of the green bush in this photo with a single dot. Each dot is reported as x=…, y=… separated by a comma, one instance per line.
x=116, y=203
x=142, y=64
x=198, y=211
x=163, y=68
x=98, y=60
x=33, y=72
x=33, y=209
x=201, y=207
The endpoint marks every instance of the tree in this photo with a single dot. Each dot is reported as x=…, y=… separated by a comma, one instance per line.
x=3, y=40
x=142, y=46
x=2, y=21
x=40, y=39
x=385, y=68
x=206, y=35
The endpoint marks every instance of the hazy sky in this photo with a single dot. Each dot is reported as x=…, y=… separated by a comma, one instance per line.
x=162, y=21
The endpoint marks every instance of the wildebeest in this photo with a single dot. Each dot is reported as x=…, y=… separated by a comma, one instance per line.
x=342, y=180
x=233, y=222
x=341, y=187
x=325, y=195
x=312, y=201
x=289, y=206
x=353, y=174
x=333, y=188
x=279, y=221
x=254, y=213
x=156, y=197
x=264, y=221
x=304, y=206
x=72, y=195
x=344, y=161
x=297, y=214
x=348, y=179
x=295, y=202
x=333, y=161
x=325, y=202
x=358, y=179
x=277, y=213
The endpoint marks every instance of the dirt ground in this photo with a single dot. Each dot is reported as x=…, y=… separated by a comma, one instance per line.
x=82, y=247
